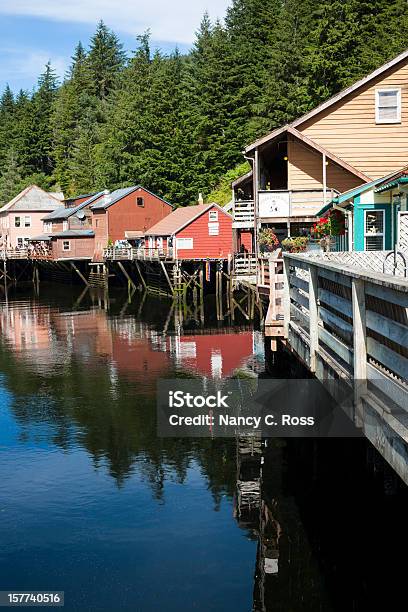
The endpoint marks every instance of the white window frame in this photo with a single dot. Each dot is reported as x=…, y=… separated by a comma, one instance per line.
x=24, y=242
x=27, y=224
x=64, y=242
x=377, y=105
x=19, y=222
x=213, y=215
x=64, y=226
x=47, y=226
x=368, y=234
x=181, y=241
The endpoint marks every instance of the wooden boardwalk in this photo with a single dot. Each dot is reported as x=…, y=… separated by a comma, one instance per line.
x=351, y=324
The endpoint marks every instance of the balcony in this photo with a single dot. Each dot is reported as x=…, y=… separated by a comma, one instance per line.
x=243, y=214
x=301, y=204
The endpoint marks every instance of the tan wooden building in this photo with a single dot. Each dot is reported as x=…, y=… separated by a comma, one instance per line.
x=354, y=137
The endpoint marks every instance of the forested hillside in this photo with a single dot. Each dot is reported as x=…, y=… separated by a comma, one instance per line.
x=177, y=123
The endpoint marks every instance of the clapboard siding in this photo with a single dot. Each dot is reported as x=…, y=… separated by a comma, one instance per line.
x=305, y=170
x=204, y=244
x=348, y=128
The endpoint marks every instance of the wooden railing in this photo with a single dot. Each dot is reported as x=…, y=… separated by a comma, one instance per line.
x=244, y=213
x=245, y=264
x=129, y=254
x=352, y=325
x=270, y=282
x=359, y=317
x=13, y=254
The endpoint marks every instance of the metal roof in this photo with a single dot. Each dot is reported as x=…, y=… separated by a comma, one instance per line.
x=64, y=213
x=111, y=198
x=73, y=234
x=32, y=198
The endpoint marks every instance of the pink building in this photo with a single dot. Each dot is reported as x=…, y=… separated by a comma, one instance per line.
x=21, y=218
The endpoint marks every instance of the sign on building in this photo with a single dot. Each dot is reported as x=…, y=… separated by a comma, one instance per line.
x=274, y=204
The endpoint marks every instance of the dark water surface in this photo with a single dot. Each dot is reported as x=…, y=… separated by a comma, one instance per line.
x=94, y=504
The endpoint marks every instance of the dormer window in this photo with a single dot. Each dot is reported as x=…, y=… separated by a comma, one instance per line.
x=140, y=201
x=213, y=215
x=388, y=106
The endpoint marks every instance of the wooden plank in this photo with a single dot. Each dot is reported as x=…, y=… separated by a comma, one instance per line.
x=335, y=321
x=338, y=347
x=298, y=282
x=336, y=302
x=286, y=295
x=390, y=359
x=388, y=295
x=397, y=332
x=389, y=387
x=299, y=315
x=359, y=347
x=313, y=316
x=336, y=277
x=299, y=298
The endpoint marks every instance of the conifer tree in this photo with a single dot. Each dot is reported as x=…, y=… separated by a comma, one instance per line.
x=10, y=179
x=105, y=60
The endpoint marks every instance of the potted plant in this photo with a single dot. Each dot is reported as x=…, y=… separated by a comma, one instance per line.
x=295, y=244
x=268, y=241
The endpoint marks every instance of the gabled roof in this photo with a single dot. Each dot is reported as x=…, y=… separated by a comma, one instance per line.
x=180, y=218
x=336, y=98
x=64, y=213
x=314, y=145
x=32, y=198
x=118, y=194
x=242, y=179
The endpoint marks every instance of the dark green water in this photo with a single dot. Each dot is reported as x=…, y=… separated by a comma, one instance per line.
x=93, y=503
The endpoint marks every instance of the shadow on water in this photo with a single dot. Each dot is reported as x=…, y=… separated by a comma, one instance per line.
x=321, y=521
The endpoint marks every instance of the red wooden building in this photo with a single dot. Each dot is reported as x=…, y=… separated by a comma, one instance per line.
x=125, y=213
x=193, y=232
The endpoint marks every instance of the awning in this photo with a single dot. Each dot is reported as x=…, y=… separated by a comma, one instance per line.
x=40, y=238
x=132, y=234
x=399, y=181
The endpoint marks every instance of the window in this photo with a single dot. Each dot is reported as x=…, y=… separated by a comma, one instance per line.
x=140, y=201
x=17, y=221
x=388, y=106
x=185, y=243
x=159, y=242
x=213, y=215
x=64, y=226
x=373, y=230
x=213, y=229
x=66, y=246
x=47, y=226
x=22, y=243
x=27, y=221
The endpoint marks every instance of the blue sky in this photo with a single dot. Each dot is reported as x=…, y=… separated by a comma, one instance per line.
x=35, y=31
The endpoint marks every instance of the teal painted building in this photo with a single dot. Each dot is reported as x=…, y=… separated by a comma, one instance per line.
x=372, y=213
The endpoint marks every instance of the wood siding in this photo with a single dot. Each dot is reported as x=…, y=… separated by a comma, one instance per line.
x=79, y=247
x=348, y=128
x=126, y=215
x=305, y=170
x=99, y=226
x=205, y=245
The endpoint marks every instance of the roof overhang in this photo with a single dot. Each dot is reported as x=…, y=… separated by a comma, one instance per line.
x=314, y=145
x=242, y=179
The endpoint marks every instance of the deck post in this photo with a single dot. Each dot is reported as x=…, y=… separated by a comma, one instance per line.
x=313, y=316
x=359, y=346
x=286, y=297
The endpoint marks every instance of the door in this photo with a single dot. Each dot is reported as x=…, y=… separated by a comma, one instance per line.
x=374, y=228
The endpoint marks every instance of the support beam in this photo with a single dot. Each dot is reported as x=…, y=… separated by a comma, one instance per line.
x=286, y=296
x=313, y=316
x=359, y=346
x=81, y=276
x=125, y=273
x=140, y=275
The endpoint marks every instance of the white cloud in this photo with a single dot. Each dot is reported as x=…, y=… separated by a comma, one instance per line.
x=22, y=64
x=169, y=21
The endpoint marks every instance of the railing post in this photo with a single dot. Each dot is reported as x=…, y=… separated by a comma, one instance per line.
x=359, y=346
x=313, y=316
x=286, y=296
